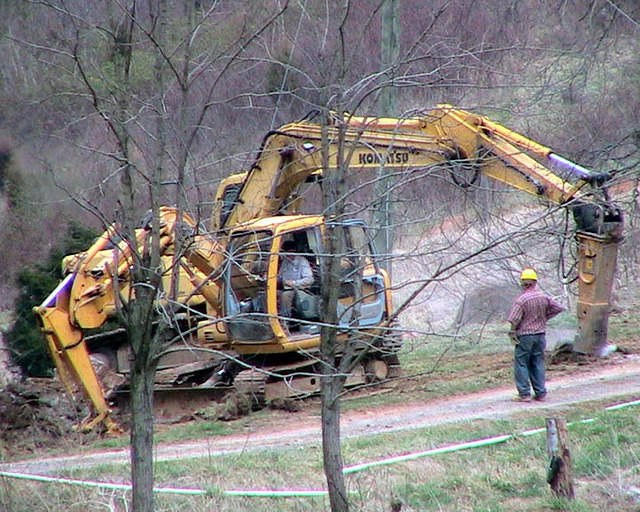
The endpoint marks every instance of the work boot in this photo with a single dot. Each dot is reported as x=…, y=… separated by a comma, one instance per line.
x=519, y=398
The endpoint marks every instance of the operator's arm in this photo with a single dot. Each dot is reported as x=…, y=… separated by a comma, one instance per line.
x=304, y=274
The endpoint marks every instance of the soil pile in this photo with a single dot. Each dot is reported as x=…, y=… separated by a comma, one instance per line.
x=36, y=414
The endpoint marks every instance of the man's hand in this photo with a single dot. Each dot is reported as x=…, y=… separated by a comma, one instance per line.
x=513, y=337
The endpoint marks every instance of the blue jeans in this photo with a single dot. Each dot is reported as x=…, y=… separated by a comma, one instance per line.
x=528, y=364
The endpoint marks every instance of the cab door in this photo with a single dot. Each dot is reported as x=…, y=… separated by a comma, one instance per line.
x=245, y=290
x=361, y=299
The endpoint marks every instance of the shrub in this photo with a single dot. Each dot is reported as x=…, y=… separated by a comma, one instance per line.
x=26, y=342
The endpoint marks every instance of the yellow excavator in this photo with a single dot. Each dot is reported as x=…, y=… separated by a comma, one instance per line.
x=231, y=324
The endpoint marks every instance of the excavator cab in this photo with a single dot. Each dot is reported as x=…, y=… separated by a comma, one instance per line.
x=253, y=292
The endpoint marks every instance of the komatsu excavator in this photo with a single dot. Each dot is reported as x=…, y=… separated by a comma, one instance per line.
x=232, y=327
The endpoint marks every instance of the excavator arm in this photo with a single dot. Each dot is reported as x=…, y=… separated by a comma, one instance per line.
x=445, y=135
x=71, y=357
x=465, y=142
x=96, y=283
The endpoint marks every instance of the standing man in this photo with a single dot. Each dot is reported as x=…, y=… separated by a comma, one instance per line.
x=528, y=318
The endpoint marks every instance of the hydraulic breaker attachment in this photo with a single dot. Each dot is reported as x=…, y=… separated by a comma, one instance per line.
x=596, y=269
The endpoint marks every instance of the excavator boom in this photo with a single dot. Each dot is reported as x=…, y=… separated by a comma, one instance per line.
x=455, y=137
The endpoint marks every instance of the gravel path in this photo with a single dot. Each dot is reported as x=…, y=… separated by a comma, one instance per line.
x=613, y=384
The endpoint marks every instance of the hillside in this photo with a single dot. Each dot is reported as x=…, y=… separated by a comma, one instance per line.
x=564, y=75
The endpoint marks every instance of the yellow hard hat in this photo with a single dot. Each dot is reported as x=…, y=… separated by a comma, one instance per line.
x=528, y=274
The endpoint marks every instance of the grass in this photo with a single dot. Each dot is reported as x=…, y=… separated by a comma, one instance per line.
x=498, y=478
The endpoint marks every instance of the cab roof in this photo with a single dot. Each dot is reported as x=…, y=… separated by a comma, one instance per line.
x=281, y=223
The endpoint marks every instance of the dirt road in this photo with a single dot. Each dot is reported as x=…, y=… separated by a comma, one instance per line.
x=614, y=383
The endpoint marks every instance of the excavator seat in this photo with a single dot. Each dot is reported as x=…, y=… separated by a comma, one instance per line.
x=307, y=305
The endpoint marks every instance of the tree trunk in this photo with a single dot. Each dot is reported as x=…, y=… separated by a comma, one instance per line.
x=332, y=380
x=333, y=463
x=332, y=386
x=145, y=344
x=560, y=471
x=141, y=400
x=389, y=53
x=8, y=372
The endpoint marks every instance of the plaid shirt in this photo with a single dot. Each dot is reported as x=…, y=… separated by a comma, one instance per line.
x=531, y=310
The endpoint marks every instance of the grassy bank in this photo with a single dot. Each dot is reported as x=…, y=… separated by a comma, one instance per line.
x=509, y=476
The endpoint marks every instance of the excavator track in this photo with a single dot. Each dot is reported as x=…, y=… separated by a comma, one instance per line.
x=253, y=389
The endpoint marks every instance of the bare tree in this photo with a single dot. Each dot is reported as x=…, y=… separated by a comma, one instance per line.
x=151, y=125
x=336, y=364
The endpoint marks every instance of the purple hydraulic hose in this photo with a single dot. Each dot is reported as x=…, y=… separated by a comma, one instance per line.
x=64, y=284
x=577, y=169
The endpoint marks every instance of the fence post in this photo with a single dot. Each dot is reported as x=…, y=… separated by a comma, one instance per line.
x=560, y=470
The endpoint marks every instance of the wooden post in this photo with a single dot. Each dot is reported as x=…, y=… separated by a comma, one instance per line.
x=560, y=470
x=389, y=53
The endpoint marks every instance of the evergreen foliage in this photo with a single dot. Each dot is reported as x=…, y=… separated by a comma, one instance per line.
x=26, y=342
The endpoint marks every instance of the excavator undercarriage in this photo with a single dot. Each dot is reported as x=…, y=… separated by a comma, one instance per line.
x=191, y=381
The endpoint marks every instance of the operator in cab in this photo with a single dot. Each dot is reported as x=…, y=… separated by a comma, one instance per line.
x=295, y=273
